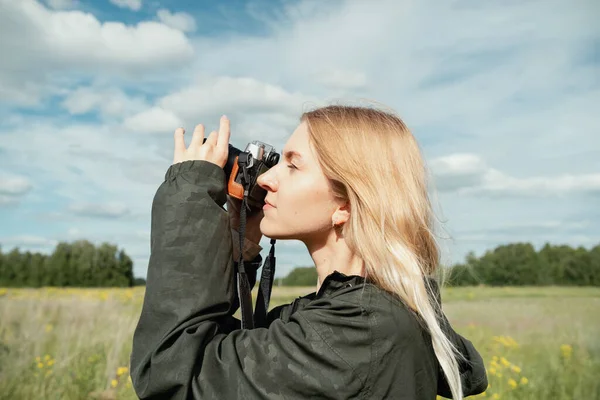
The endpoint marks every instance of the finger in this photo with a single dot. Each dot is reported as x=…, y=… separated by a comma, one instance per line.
x=212, y=138
x=179, y=141
x=198, y=136
x=224, y=134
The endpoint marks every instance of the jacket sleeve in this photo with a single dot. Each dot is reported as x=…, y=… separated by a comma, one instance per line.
x=473, y=374
x=183, y=344
x=251, y=250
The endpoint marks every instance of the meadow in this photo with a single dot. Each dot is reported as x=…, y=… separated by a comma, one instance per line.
x=537, y=343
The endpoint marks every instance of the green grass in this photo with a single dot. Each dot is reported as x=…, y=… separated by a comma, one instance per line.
x=549, y=336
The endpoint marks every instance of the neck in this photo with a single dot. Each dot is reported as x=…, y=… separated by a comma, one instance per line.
x=333, y=254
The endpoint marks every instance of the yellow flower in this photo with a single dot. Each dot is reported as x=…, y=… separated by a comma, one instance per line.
x=492, y=371
x=47, y=357
x=516, y=369
x=505, y=341
x=524, y=381
x=40, y=365
x=49, y=327
x=114, y=383
x=566, y=350
x=511, y=342
x=504, y=362
x=496, y=396
x=121, y=371
x=50, y=363
x=512, y=383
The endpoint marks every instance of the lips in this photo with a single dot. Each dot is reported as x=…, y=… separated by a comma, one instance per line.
x=269, y=203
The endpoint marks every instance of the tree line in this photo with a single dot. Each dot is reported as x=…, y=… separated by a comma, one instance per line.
x=516, y=264
x=77, y=264
x=82, y=264
x=519, y=264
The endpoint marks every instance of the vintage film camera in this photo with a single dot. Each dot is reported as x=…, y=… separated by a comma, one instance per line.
x=258, y=157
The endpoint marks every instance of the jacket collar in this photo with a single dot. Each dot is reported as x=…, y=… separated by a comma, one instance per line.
x=338, y=280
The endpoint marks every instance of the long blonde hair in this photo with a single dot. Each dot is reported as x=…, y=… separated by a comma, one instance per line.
x=373, y=161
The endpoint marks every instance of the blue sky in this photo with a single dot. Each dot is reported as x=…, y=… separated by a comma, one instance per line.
x=502, y=97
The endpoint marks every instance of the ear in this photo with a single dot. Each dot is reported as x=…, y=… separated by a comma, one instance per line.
x=341, y=214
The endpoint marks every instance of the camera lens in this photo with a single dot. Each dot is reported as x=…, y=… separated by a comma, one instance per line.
x=273, y=159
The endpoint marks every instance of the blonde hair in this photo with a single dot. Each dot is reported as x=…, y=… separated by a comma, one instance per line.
x=373, y=161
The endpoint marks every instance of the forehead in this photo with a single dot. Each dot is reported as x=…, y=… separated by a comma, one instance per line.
x=298, y=144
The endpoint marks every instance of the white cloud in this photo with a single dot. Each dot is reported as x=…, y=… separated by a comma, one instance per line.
x=29, y=241
x=14, y=185
x=106, y=101
x=100, y=210
x=499, y=183
x=153, y=120
x=179, y=20
x=134, y=5
x=532, y=228
x=44, y=41
x=113, y=43
x=258, y=110
x=456, y=171
x=87, y=163
x=469, y=174
x=235, y=96
x=13, y=188
x=74, y=232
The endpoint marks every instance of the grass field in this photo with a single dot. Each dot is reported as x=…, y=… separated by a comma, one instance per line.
x=538, y=343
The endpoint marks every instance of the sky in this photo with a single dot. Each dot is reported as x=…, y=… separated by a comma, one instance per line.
x=499, y=94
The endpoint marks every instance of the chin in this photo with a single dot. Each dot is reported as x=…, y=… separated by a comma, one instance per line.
x=272, y=232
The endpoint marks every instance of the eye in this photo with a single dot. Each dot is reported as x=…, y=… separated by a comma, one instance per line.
x=292, y=166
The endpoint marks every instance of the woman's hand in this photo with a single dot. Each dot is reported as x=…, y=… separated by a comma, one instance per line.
x=214, y=150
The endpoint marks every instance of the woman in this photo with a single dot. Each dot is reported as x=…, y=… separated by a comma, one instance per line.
x=352, y=187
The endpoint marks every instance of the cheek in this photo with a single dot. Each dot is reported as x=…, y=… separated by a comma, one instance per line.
x=306, y=205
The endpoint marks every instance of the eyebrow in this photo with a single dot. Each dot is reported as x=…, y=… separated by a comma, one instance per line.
x=291, y=153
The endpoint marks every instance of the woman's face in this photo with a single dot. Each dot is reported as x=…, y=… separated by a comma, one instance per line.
x=303, y=203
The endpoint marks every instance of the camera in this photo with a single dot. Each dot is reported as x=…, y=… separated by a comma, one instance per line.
x=258, y=157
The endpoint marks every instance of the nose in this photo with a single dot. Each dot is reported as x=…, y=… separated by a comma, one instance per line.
x=267, y=180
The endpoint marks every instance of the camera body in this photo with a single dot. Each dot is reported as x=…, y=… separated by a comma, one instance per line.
x=258, y=157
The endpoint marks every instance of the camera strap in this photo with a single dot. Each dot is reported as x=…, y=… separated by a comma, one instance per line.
x=243, y=284
x=268, y=268
x=264, y=289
